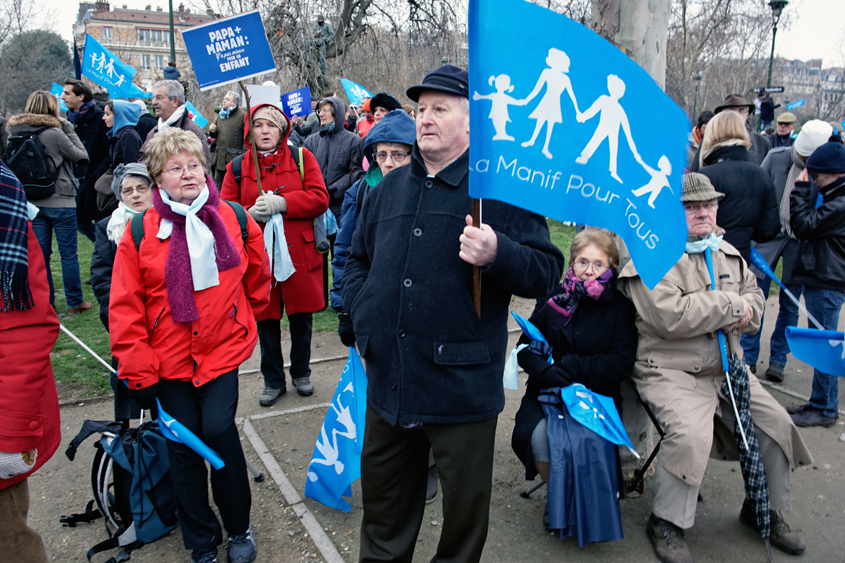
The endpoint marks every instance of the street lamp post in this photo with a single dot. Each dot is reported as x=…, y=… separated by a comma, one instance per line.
x=777, y=7
x=697, y=79
x=173, y=39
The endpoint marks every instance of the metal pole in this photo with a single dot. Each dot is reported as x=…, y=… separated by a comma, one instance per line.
x=772, y=56
x=695, y=102
x=173, y=38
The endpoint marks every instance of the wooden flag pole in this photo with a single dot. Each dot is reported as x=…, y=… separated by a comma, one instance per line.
x=251, y=139
x=476, y=271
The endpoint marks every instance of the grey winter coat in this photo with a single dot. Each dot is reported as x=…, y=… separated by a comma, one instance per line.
x=63, y=148
x=340, y=154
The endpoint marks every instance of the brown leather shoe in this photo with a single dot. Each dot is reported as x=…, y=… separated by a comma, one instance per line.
x=668, y=541
x=782, y=536
x=84, y=307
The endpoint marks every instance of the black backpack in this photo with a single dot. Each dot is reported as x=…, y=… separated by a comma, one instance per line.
x=27, y=158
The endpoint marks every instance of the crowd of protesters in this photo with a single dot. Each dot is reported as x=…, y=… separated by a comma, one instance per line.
x=188, y=291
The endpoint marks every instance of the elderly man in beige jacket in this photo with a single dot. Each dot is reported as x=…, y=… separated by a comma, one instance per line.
x=679, y=375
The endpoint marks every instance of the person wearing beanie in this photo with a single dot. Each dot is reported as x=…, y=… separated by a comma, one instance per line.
x=783, y=165
x=381, y=104
x=820, y=266
x=434, y=362
x=783, y=135
x=131, y=188
x=365, y=121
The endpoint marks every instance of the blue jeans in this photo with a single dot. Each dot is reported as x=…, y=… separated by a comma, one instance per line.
x=63, y=221
x=824, y=304
x=751, y=342
x=787, y=316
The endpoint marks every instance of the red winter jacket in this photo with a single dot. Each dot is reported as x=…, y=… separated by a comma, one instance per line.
x=303, y=291
x=29, y=406
x=144, y=338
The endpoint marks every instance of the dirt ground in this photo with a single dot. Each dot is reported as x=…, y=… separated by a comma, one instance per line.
x=285, y=531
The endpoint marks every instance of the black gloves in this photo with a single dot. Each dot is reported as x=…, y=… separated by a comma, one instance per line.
x=533, y=359
x=146, y=397
x=344, y=329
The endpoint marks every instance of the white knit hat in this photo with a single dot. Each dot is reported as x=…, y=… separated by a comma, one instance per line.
x=813, y=134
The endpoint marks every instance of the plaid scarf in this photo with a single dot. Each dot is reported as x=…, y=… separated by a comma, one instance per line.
x=14, y=268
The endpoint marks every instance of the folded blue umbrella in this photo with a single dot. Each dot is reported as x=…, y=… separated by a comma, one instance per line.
x=822, y=349
x=598, y=413
x=174, y=430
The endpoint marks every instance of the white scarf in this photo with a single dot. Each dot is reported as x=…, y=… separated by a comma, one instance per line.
x=117, y=222
x=280, y=256
x=200, y=239
x=162, y=125
x=710, y=241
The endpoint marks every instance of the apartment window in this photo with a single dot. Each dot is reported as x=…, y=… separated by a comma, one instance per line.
x=143, y=35
x=158, y=35
x=159, y=61
x=107, y=33
x=145, y=62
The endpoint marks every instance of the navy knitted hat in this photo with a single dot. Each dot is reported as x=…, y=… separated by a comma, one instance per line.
x=828, y=159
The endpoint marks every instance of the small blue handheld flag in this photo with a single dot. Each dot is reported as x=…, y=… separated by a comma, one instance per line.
x=174, y=430
x=822, y=349
x=336, y=461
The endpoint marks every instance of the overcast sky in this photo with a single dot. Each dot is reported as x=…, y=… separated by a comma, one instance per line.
x=817, y=30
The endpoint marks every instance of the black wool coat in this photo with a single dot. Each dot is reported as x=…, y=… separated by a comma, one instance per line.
x=102, y=264
x=750, y=209
x=597, y=348
x=430, y=358
x=821, y=255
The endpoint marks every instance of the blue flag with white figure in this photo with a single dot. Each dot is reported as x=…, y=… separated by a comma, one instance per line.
x=336, y=461
x=822, y=349
x=174, y=430
x=569, y=127
x=355, y=92
x=195, y=114
x=100, y=65
x=57, y=91
x=598, y=413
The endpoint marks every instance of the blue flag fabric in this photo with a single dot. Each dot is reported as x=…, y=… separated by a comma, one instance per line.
x=355, y=92
x=822, y=349
x=796, y=104
x=198, y=118
x=57, y=90
x=336, y=461
x=297, y=102
x=528, y=328
x=101, y=66
x=596, y=412
x=558, y=127
x=229, y=49
x=174, y=430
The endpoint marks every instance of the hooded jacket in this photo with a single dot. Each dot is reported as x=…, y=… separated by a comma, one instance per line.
x=125, y=143
x=395, y=127
x=64, y=150
x=339, y=154
x=303, y=291
x=146, y=122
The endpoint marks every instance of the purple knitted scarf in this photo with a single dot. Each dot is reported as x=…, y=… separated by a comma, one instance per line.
x=177, y=268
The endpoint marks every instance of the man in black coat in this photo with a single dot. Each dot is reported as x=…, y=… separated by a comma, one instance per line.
x=87, y=119
x=434, y=366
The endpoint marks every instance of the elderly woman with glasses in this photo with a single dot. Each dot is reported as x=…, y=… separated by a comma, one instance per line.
x=592, y=339
x=182, y=320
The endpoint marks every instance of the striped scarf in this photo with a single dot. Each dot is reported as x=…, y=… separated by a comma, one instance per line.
x=14, y=268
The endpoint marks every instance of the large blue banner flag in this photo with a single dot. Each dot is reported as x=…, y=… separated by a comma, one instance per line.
x=354, y=91
x=101, y=66
x=547, y=121
x=336, y=462
x=229, y=49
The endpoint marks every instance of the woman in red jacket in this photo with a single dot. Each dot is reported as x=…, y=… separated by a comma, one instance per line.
x=29, y=407
x=182, y=319
x=290, y=203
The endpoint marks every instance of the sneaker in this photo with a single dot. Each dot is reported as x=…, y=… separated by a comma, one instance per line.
x=795, y=409
x=813, y=417
x=303, y=386
x=431, y=488
x=204, y=555
x=782, y=537
x=270, y=395
x=546, y=521
x=84, y=307
x=241, y=548
x=668, y=541
x=775, y=372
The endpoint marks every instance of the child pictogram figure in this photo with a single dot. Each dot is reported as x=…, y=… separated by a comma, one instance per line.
x=501, y=101
x=659, y=179
x=548, y=110
x=611, y=119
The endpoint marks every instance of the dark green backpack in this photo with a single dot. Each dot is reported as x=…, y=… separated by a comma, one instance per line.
x=137, y=226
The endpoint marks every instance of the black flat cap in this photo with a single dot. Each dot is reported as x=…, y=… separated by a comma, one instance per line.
x=447, y=78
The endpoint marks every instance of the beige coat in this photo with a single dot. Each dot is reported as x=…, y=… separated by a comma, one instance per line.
x=679, y=372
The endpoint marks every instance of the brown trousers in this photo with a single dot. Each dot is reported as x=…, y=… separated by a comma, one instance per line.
x=17, y=539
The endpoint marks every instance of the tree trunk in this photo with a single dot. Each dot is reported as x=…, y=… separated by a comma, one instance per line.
x=640, y=29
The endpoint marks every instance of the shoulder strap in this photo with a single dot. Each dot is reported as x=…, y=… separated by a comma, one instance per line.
x=240, y=213
x=138, y=228
x=300, y=164
x=237, y=167
x=362, y=192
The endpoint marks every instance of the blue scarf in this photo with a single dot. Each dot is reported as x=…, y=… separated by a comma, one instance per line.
x=327, y=129
x=74, y=116
x=697, y=247
x=224, y=113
